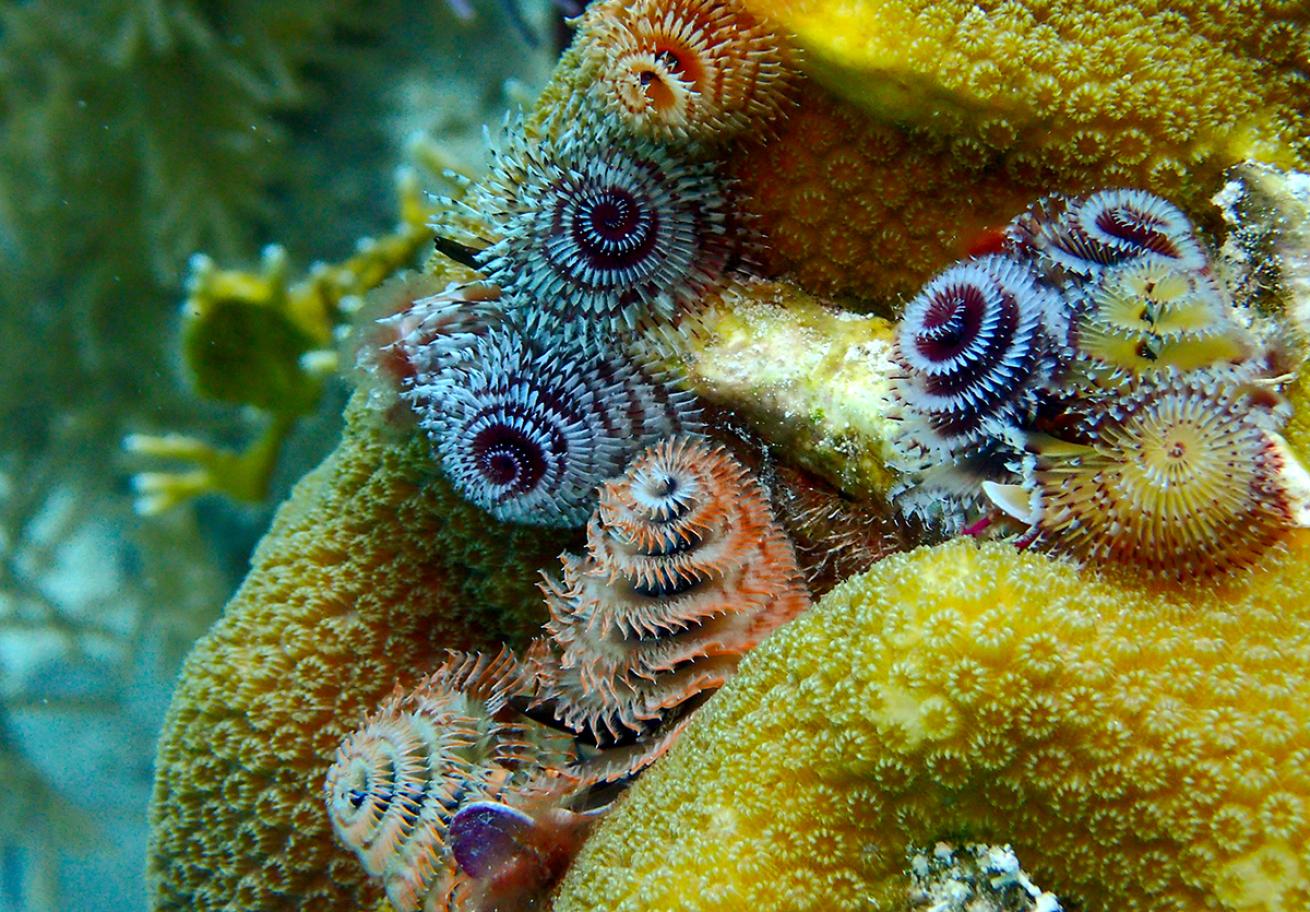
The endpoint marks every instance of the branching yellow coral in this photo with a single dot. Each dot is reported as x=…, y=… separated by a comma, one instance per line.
x=1141, y=749
x=371, y=570
x=255, y=338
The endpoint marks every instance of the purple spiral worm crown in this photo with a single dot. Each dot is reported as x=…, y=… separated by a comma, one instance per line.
x=527, y=434
x=595, y=234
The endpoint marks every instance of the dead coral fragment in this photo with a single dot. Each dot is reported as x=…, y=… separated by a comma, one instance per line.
x=703, y=70
x=973, y=878
x=400, y=779
x=685, y=571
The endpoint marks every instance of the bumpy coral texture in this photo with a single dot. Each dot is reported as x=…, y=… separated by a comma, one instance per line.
x=1142, y=750
x=1111, y=93
x=369, y=573
x=976, y=106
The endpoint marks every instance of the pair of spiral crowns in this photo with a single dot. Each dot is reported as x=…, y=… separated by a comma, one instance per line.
x=470, y=791
x=1095, y=381
x=590, y=223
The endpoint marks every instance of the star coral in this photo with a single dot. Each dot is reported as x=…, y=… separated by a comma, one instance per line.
x=967, y=111
x=1104, y=93
x=1143, y=749
x=370, y=572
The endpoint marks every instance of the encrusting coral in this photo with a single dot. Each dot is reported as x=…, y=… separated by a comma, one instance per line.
x=969, y=111
x=1136, y=739
x=1142, y=748
x=370, y=572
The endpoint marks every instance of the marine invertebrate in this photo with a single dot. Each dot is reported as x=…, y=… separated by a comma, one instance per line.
x=432, y=325
x=1181, y=476
x=1141, y=747
x=595, y=234
x=421, y=759
x=834, y=536
x=685, y=571
x=972, y=348
x=680, y=70
x=1150, y=316
x=527, y=434
x=1083, y=237
x=370, y=572
x=514, y=857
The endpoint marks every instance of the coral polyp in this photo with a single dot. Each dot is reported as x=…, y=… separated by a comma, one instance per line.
x=685, y=571
x=1180, y=477
x=971, y=346
x=595, y=234
x=527, y=434
x=703, y=70
x=400, y=779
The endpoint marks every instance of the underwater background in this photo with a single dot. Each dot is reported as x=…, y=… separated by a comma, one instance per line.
x=134, y=134
x=700, y=454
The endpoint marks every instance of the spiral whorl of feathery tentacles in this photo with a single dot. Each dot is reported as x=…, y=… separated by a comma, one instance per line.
x=973, y=345
x=1181, y=475
x=1084, y=237
x=590, y=223
x=1148, y=438
x=685, y=571
x=596, y=232
x=527, y=433
x=456, y=797
x=400, y=781
x=684, y=70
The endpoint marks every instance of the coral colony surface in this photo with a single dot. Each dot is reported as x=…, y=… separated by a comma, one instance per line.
x=919, y=313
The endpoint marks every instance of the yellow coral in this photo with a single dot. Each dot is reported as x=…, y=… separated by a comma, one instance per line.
x=1141, y=749
x=254, y=338
x=977, y=106
x=371, y=570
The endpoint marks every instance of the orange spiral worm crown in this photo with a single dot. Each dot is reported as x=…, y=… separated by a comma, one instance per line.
x=685, y=571
x=678, y=70
x=399, y=779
